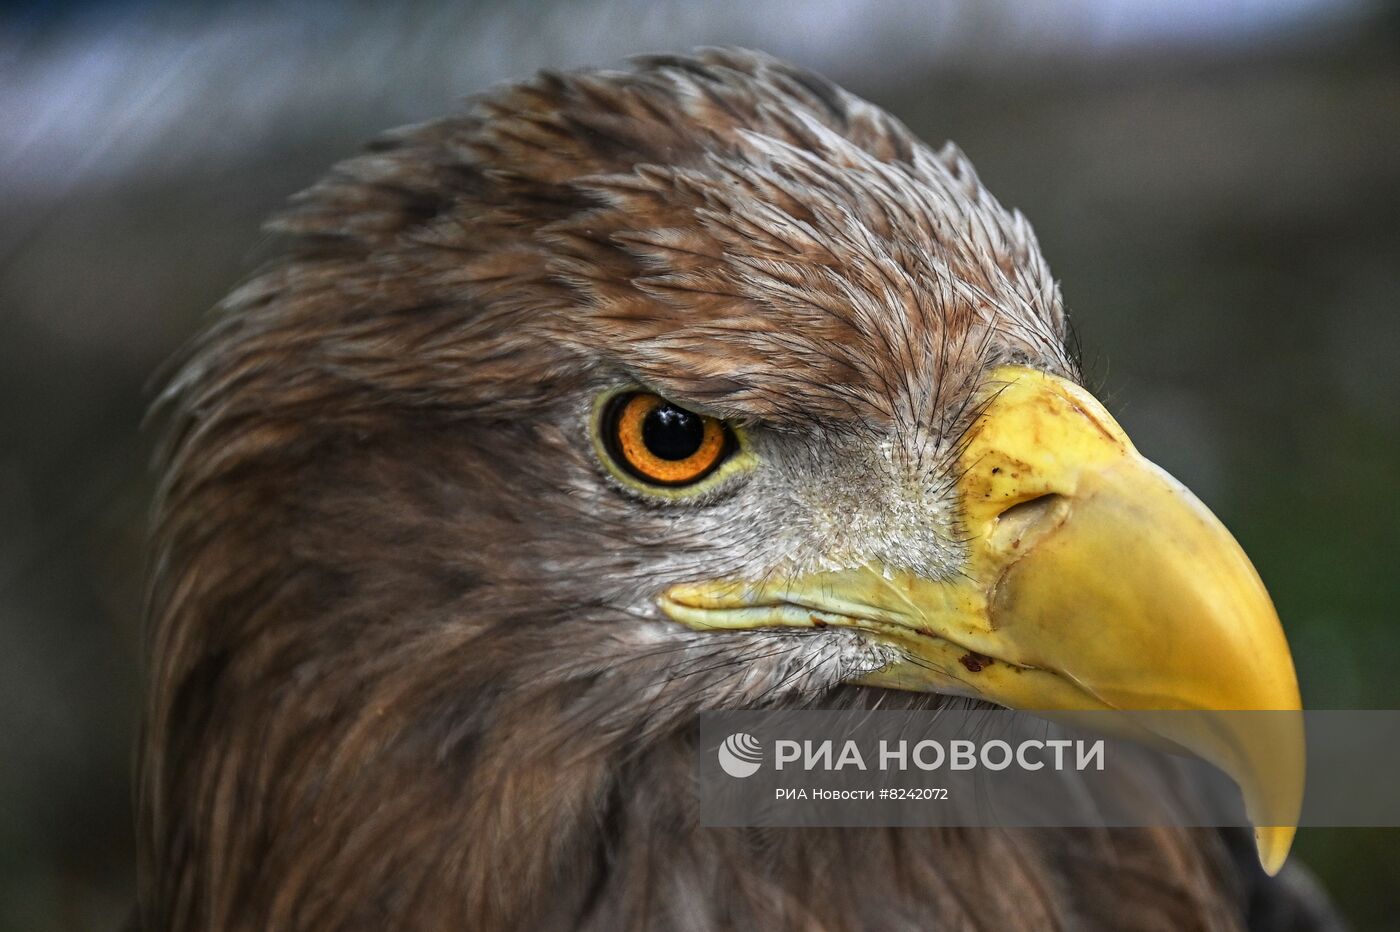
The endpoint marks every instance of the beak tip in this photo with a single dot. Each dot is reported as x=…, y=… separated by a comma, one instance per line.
x=1273, y=843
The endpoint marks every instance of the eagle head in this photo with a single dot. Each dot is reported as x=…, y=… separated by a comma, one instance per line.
x=698, y=385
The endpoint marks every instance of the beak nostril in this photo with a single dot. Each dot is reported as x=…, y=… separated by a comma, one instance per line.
x=1030, y=509
x=1026, y=520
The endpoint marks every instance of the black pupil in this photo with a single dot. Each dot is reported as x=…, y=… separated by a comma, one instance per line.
x=672, y=433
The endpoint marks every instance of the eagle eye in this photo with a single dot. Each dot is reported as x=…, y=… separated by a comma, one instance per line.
x=661, y=443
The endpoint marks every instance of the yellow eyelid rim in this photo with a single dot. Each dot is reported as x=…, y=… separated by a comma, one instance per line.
x=739, y=460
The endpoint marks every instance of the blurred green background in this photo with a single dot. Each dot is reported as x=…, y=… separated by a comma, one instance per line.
x=1216, y=184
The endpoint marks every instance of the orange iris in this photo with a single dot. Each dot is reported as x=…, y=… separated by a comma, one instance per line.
x=665, y=444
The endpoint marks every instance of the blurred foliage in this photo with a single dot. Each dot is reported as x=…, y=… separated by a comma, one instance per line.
x=1227, y=229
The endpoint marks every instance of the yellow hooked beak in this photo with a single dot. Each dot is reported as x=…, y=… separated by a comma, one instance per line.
x=1093, y=580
